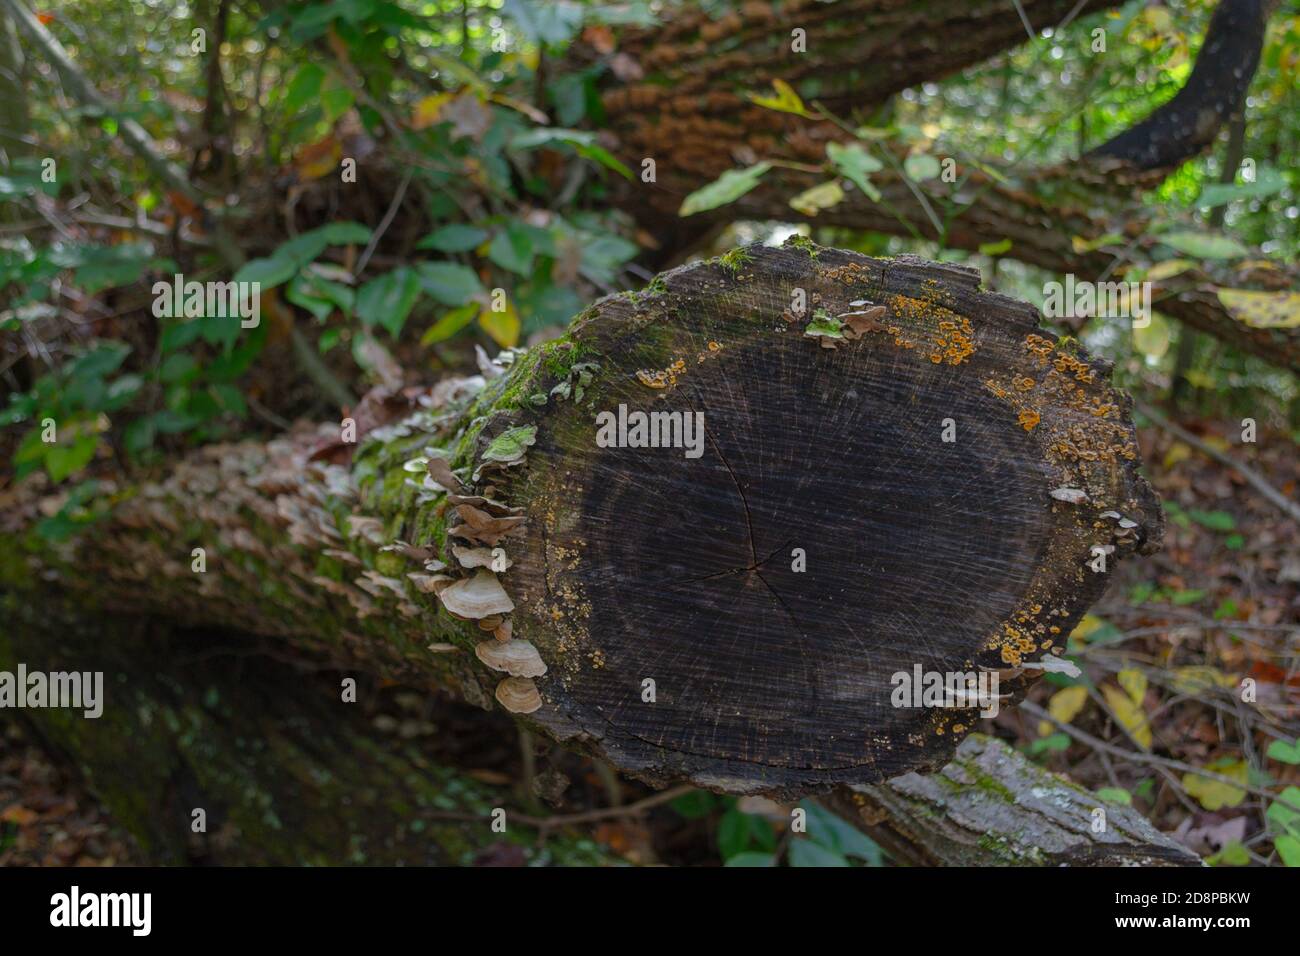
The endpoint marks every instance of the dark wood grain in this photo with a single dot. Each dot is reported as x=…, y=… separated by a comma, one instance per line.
x=643, y=563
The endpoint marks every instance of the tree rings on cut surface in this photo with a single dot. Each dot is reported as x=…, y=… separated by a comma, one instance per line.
x=871, y=493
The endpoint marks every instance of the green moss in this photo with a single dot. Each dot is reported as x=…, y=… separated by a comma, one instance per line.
x=804, y=243
x=984, y=782
x=733, y=260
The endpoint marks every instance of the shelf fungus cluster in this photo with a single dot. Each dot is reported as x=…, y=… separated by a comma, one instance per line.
x=468, y=585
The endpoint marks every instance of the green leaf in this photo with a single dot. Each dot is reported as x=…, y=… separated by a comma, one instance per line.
x=1280, y=816
x=1267, y=182
x=456, y=237
x=1203, y=245
x=581, y=141
x=806, y=853
x=1115, y=795
x=752, y=859
x=178, y=367
x=269, y=271
x=921, y=166
x=1284, y=751
x=104, y=359
x=1232, y=854
x=139, y=435
x=303, y=248
x=833, y=833
x=546, y=21
x=450, y=324
x=104, y=267
x=733, y=833
x=387, y=299
x=304, y=87
x=1214, y=520
x=604, y=255
x=178, y=335
x=727, y=188
x=62, y=460
x=1052, y=742
x=231, y=399
x=1288, y=848
x=995, y=248
x=855, y=164
x=512, y=250
x=320, y=296
x=449, y=282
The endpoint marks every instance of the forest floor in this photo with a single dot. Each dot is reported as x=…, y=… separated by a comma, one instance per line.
x=1164, y=654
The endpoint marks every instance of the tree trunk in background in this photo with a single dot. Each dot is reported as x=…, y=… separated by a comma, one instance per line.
x=685, y=105
x=286, y=773
x=894, y=471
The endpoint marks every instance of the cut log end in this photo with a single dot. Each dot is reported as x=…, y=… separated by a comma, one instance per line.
x=730, y=529
x=943, y=490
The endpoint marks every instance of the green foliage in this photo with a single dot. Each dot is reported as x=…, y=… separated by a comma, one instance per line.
x=811, y=836
x=451, y=104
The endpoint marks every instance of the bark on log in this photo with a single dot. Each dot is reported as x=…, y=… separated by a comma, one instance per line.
x=679, y=91
x=630, y=564
x=286, y=773
x=993, y=807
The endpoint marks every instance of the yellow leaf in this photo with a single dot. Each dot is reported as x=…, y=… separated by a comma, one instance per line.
x=1263, y=310
x=1134, y=683
x=1086, y=626
x=532, y=112
x=1168, y=269
x=502, y=326
x=1214, y=794
x=1067, y=702
x=785, y=101
x=1130, y=716
x=426, y=110
x=822, y=196
x=1178, y=451
x=1199, y=678
x=1158, y=19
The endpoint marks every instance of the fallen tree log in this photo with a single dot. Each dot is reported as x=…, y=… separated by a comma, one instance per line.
x=283, y=770
x=992, y=807
x=288, y=774
x=879, y=470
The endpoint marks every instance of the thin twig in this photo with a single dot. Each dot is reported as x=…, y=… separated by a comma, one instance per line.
x=1256, y=480
x=1150, y=759
x=383, y=226
x=586, y=816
